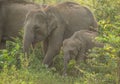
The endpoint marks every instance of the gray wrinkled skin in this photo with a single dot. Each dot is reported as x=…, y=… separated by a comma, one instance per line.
x=12, y=17
x=78, y=45
x=54, y=24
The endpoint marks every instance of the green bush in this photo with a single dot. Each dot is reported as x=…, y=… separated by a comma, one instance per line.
x=11, y=55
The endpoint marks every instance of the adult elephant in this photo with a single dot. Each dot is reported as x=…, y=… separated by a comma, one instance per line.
x=54, y=24
x=12, y=16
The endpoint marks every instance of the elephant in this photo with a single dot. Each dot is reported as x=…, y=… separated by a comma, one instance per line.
x=78, y=45
x=12, y=17
x=55, y=23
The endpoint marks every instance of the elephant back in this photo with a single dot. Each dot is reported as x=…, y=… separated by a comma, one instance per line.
x=75, y=17
x=15, y=17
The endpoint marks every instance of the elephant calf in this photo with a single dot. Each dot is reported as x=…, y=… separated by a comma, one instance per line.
x=77, y=45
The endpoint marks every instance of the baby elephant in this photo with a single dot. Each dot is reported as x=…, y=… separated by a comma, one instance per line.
x=78, y=44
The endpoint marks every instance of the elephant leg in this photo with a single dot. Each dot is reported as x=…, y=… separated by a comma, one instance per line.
x=81, y=55
x=0, y=44
x=1, y=24
x=3, y=45
x=0, y=37
x=66, y=61
x=54, y=45
x=45, y=46
x=53, y=49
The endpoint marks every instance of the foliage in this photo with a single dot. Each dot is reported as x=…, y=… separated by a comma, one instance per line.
x=31, y=70
x=27, y=76
x=11, y=55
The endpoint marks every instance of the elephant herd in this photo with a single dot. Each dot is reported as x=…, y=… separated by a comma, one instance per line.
x=69, y=24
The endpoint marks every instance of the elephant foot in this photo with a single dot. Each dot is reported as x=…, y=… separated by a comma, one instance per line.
x=47, y=63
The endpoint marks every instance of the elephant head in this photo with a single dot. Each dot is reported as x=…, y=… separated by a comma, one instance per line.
x=38, y=25
x=70, y=50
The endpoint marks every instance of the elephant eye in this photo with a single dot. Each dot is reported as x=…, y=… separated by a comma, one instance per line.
x=38, y=31
x=73, y=52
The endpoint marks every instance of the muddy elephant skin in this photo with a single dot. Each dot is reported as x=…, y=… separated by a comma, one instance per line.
x=78, y=45
x=12, y=16
x=54, y=24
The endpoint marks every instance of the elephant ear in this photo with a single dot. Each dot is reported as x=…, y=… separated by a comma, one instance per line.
x=52, y=21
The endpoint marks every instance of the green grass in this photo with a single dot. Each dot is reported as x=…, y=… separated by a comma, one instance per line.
x=31, y=76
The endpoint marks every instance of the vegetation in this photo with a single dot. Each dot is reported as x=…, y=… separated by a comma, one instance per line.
x=102, y=67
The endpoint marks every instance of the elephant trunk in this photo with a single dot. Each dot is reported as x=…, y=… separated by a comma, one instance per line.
x=27, y=40
x=66, y=60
